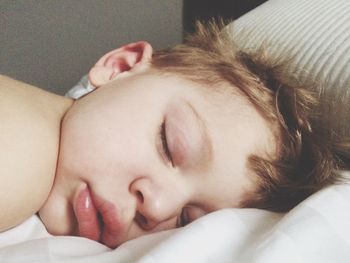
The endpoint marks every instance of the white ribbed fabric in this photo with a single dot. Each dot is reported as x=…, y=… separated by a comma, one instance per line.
x=315, y=34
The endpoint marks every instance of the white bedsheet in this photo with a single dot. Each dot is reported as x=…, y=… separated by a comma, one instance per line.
x=318, y=230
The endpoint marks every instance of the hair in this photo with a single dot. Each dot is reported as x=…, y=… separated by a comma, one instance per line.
x=309, y=156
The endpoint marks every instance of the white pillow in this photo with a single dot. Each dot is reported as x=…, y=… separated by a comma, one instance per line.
x=317, y=32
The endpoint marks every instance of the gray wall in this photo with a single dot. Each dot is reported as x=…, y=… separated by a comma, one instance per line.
x=51, y=44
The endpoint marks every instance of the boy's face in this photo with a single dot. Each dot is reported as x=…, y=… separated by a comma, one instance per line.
x=156, y=152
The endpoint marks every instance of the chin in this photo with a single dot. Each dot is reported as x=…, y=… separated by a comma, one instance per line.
x=58, y=218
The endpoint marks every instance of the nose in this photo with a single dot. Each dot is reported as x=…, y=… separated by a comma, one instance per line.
x=156, y=202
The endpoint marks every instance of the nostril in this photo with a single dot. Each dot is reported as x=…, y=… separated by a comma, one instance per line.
x=141, y=220
x=139, y=196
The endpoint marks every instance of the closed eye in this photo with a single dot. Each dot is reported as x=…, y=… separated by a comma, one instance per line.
x=183, y=218
x=165, y=148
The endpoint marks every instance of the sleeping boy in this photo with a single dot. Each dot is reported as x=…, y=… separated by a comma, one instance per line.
x=165, y=138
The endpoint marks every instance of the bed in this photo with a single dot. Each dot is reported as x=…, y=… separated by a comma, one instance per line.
x=317, y=33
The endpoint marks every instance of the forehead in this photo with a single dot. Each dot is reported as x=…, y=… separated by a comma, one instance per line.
x=238, y=131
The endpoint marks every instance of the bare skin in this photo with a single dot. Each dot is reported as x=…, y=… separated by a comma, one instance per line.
x=30, y=125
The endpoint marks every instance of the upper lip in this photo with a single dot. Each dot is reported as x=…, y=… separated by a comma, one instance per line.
x=111, y=225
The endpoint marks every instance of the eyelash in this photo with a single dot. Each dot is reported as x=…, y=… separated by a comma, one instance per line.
x=183, y=219
x=165, y=147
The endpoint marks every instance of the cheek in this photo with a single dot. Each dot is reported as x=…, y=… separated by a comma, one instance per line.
x=80, y=147
x=104, y=150
x=102, y=143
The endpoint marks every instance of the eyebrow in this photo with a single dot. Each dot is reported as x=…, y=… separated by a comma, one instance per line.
x=206, y=146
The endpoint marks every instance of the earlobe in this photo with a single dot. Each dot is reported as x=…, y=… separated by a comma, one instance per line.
x=120, y=60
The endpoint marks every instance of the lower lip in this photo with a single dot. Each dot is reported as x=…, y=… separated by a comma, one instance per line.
x=112, y=226
x=87, y=215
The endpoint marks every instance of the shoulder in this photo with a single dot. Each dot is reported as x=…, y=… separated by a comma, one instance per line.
x=29, y=136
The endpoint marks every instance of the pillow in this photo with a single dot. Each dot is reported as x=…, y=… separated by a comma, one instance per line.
x=314, y=36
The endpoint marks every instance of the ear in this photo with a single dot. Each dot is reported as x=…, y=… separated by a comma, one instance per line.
x=124, y=59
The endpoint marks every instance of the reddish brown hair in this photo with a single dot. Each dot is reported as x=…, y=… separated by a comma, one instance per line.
x=307, y=159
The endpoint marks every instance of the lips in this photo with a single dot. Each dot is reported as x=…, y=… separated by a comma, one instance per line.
x=97, y=218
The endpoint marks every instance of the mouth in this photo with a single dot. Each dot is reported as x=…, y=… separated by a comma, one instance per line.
x=97, y=218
